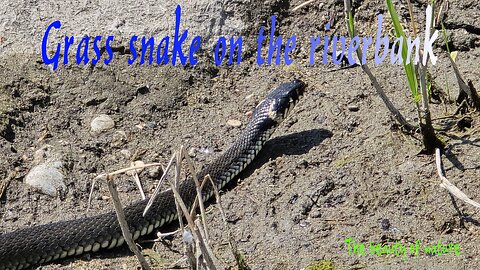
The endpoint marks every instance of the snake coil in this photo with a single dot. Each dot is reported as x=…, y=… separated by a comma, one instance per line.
x=45, y=243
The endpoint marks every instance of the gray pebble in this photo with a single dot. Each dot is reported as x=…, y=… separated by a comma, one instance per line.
x=152, y=125
x=191, y=152
x=126, y=153
x=119, y=138
x=315, y=213
x=353, y=108
x=234, y=123
x=47, y=178
x=101, y=123
x=154, y=172
x=385, y=224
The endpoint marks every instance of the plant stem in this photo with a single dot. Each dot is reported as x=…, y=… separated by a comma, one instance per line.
x=430, y=140
x=394, y=111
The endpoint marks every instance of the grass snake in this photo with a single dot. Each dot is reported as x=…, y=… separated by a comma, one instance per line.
x=41, y=244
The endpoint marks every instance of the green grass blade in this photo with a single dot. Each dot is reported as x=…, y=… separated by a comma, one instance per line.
x=409, y=68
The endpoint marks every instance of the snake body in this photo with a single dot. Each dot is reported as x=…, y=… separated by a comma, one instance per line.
x=45, y=243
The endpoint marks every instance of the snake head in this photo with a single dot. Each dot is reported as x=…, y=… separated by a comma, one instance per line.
x=283, y=99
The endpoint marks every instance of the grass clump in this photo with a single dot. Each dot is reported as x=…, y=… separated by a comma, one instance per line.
x=322, y=265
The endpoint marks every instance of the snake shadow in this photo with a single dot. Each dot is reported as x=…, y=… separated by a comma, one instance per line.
x=294, y=144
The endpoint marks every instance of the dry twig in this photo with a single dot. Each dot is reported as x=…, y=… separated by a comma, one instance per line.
x=449, y=186
x=194, y=229
x=123, y=224
x=104, y=176
x=4, y=184
x=303, y=4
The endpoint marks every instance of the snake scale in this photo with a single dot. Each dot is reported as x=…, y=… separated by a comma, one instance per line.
x=41, y=244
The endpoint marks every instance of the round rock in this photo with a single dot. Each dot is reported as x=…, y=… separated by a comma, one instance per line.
x=101, y=123
x=47, y=178
x=234, y=123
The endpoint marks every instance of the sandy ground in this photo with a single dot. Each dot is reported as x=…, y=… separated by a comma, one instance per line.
x=338, y=168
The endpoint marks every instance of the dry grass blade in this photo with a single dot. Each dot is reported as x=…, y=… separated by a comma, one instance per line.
x=196, y=234
x=393, y=110
x=131, y=168
x=190, y=249
x=90, y=195
x=202, y=231
x=303, y=4
x=123, y=224
x=410, y=12
x=461, y=83
x=177, y=183
x=198, y=189
x=161, y=235
x=187, y=235
x=4, y=184
x=449, y=186
x=441, y=12
x=159, y=185
x=107, y=175
x=136, y=179
x=464, y=88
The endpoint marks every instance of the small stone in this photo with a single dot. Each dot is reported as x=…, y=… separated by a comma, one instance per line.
x=204, y=100
x=303, y=223
x=234, y=123
x=152, y=125
x=293, y=199
x=353, y=108
x=119, y=138
x=385, y=224
x=47, y=178
x=191, y=152
x=154, y=172
x=249, y=113
x=126, y=153
x=397, y=179
x=303, y=164
x=205, y=150
x=101, y=123
x=320, y=119
x=316, y=213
